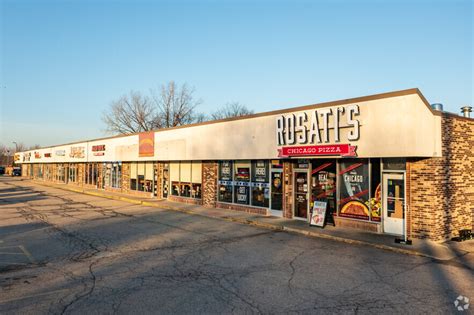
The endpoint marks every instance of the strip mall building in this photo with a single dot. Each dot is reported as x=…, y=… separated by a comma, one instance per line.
x=386, y=163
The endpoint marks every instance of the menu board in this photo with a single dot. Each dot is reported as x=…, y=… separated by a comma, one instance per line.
x=318, y=214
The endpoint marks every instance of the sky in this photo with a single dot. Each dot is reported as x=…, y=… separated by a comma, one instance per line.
x=63, y=62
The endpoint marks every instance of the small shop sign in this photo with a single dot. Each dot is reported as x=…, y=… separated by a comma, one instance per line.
x=98, y=150
x=47, y=155
x=146, y=144
x=77, y=152
x=37, y=155
x=318, y=215
x=318, y=150
x=60, y=152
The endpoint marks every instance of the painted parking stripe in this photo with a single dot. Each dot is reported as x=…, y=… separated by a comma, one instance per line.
x=27, y=254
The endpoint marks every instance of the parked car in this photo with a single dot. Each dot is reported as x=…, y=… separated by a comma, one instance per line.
x=2, y=170
x=16, y=171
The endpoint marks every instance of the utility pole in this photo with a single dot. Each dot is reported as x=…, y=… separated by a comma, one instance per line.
x=16, y=150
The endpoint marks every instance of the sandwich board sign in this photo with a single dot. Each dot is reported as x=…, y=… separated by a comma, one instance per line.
x=318, y=215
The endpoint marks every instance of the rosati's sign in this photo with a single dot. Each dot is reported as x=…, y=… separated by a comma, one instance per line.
x=146, y=144
x=37, y=155
x=77, y=152
x=98, y=150
x=317, y=131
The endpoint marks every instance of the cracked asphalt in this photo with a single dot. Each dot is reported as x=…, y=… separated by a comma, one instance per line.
x=65, y=252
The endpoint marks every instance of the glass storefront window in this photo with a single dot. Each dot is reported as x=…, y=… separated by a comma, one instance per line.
x=354, y=188
x=225, y=181
x=323, y=183
x=186, y=179
x=242, y=182
x=259, y=185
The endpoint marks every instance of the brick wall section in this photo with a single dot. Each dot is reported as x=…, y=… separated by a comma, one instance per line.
x=288, y=189
x=125, y=177
x=81, y=174
x=209, y=183
x=441, y=190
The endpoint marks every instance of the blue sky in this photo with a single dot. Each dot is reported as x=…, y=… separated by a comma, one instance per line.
x=63, y=62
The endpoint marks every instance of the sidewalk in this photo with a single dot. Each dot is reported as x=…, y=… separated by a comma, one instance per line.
x=440, y=251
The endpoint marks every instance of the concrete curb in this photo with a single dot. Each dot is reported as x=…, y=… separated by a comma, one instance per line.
x=246, y=221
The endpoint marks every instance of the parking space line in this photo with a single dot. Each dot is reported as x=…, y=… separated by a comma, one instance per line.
x=11, y=263
x=27, y=254
x=32, y=296
x=8, y=253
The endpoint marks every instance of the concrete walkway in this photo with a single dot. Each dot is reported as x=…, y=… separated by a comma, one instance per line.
x=440, y=251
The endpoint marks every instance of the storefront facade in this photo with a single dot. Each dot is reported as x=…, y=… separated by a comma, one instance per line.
x=385, y=163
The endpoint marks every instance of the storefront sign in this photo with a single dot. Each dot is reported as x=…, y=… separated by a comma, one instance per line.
x=98, y=150
x=301, y=129
x=318, y=215
x=17, y=158
x=77, y=152
x=47, y=155
x=27, y=157
x=314, y=150
x=37, y=155
x=60, y=152
x=146, y=144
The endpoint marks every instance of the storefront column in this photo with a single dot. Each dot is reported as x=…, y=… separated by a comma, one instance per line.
x=209, y=183
x=125, y=177
x=288, y=189
x=80, y=174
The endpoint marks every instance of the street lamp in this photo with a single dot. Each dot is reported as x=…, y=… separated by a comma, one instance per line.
x=16, y=150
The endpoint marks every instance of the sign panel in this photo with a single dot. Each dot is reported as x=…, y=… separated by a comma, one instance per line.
x=318, y=215
x=98, y=150
x=317, y=150
x=77, y=152
x=146, y=144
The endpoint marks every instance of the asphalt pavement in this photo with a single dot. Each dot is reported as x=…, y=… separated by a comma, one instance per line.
x=66, y=252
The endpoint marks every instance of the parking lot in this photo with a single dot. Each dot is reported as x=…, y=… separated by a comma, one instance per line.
x=65, y=252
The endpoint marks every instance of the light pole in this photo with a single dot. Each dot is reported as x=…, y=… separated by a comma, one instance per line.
x=16, y=150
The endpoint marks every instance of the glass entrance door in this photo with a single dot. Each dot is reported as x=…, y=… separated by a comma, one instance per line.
x=393, y=203
x=276, y=195
x=301, y=194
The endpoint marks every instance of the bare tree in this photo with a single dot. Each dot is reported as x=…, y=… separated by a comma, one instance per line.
x=175, y=106
x=231, y=110
x=32, y=147
x=20, y=147
x=130, y=114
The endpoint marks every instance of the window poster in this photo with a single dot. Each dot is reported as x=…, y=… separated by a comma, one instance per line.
x=225, y=171
x=323, y=184
x=259, y=172
x=354, y=189
x=241, y=193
